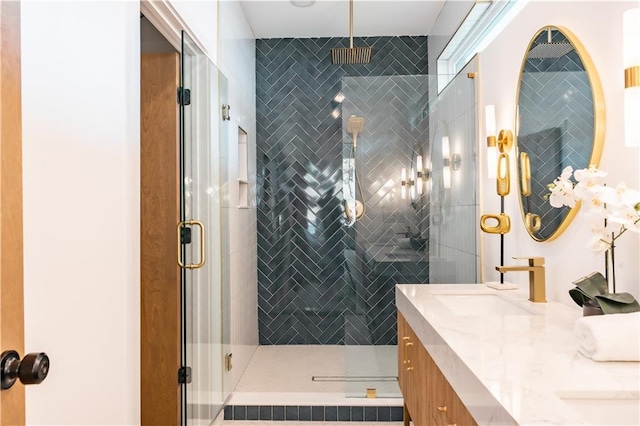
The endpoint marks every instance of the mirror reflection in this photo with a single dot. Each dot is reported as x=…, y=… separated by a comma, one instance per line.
x=559, y=124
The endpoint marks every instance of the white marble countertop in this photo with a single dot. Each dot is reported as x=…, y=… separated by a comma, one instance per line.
x=519, y=368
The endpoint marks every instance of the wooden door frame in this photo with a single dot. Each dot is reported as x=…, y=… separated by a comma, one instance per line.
x=160, y=348
x=12, y=401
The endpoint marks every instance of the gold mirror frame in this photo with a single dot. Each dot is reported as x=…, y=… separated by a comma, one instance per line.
x=532, y=224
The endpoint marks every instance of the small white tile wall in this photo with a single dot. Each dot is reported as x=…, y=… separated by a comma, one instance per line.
x=236, y=60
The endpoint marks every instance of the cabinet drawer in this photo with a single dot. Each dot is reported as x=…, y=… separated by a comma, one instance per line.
x=428, y=396
x=446, y=407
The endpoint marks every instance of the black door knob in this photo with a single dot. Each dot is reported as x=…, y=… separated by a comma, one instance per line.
x=32, y=370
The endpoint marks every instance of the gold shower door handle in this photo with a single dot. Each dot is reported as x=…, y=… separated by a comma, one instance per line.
x=200, y=226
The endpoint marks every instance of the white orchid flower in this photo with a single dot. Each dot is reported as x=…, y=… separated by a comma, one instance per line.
x=618, y=207
x=566, y=173
x=562, y=194
x=591, y=174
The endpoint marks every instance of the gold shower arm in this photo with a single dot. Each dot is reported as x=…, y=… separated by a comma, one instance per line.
x=351, y=24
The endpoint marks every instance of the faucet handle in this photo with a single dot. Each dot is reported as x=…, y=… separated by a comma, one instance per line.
x=533, y=260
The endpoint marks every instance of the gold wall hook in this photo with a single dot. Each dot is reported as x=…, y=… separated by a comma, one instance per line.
x=503, y=182
x=502, y=223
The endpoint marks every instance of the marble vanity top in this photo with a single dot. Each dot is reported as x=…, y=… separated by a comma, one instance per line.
x=512, y=361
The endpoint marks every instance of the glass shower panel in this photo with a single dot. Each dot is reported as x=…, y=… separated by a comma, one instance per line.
x=422, y=232
x=454, y=229
x=203, y=394
x=388, y=244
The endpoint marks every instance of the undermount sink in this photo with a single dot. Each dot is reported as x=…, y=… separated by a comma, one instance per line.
x=480, y=305
x=605, y=409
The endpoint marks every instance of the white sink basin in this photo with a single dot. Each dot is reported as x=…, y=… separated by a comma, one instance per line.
x=605, y=409
x=480, y=305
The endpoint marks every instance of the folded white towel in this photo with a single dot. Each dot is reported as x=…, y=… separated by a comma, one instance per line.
x=613, y=337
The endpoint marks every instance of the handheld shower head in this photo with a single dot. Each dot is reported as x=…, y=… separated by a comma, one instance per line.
x=355, y=125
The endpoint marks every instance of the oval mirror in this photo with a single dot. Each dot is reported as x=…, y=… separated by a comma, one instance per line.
x=559, y=123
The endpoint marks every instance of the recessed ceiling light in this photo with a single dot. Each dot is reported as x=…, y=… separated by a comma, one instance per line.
x=303, y=3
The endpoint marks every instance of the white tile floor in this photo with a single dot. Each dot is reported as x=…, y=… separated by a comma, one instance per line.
x=283, y=375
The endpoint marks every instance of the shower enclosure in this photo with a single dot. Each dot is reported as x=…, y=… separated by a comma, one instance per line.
x=327, y=278
x=324, y=279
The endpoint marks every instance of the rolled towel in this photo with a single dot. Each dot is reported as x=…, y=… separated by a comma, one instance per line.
x=614, y=337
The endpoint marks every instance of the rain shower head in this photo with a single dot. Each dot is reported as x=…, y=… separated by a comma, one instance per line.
x=355, y=125
x=549, y=50
x=351, y=55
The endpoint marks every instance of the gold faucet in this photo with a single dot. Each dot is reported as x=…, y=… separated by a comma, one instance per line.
x=536, y=276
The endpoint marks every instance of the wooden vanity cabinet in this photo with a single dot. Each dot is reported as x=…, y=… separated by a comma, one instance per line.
x=429, y=399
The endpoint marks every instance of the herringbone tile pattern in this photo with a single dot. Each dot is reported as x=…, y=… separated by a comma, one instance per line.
x=556, y=125
x=311, y=287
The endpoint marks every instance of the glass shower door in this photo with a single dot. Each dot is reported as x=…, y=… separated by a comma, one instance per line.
x=199, y=234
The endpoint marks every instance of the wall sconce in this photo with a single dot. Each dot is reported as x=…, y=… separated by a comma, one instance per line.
x=423, y=174
x=631, y=61
x=408, y=182
x=496, y=146
x=416, y=179
x=404, y=184
x=492, y=150
x=450, y=161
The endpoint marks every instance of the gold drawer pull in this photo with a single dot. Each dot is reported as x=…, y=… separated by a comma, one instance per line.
x=405, y=338
x=408, y=344
x=442, y=409
x=409, y=368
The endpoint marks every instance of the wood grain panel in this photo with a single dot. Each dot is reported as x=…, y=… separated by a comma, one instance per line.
x=160, y=279
x=12, y=408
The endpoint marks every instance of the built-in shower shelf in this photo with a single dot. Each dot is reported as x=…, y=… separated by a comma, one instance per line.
x=243, y=170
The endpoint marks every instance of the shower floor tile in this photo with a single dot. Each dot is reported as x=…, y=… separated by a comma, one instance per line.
x=283, y=374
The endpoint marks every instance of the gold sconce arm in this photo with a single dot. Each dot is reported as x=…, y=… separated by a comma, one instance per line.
x=505, y=141
x=533, y=222
x=503, y=181
x=502, y=225
x=525, y=174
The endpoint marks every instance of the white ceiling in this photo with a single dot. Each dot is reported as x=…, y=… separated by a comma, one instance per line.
x=330, y=18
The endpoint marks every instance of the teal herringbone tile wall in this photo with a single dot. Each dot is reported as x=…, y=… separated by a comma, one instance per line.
x=306, y=295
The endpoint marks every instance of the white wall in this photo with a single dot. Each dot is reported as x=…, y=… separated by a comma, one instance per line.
x=237, y=61
x=202, y=19
x=81, y=109
x=598, y=26
x=81, y=113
